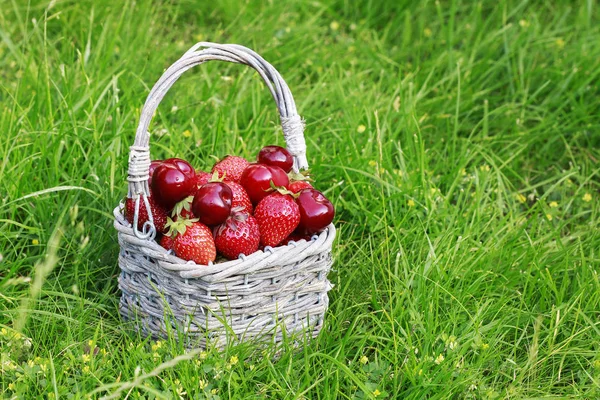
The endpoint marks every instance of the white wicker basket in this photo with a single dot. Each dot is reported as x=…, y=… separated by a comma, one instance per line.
x=267, y=294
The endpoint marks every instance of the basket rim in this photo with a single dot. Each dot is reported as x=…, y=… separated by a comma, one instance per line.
x=295, y=251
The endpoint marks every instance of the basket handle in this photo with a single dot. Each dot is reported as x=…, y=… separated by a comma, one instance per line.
x=291, y=123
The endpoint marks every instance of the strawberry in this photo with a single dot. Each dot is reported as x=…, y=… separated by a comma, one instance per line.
x=166, y=242
x=232, y=167
x=299, y=181
x=238, y=235
x=159, y=213
x=183, y=209
x=193, y=241
x=277, y=216
x=297, y=186
x=202, y=178
x=240, y=198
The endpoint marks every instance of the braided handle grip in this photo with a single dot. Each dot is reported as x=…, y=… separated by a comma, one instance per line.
x=291, y=123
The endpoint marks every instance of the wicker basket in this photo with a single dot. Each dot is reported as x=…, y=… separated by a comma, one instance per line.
x=268, y=294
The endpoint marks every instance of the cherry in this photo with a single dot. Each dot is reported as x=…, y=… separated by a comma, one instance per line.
x=212, y=203
x=257, y=178
x=171, y=185
x=153, y=165
x=182, y=165
x=316, y=212
x=276, y=156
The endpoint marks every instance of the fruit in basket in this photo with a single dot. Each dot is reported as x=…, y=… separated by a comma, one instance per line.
x=316, y=211
x=240, y=198
x=297, y=236
x=212, y=203
x=171, y=183
x=297, y=186
x=202, y=178
x=166, y=242
x=182, y=165
x=193, y=241
x=276, y=156
x=278, y=216
x=257, y=179
x=153, y=165
x=183, y=209
x=230, y=168
x=238, y=235
x=159, y=213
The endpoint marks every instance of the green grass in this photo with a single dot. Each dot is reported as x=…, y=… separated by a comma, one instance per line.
x=468, y=252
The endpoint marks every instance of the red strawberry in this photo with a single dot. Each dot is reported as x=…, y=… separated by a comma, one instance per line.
x=238, y=235
x=297, y=186
x=277, y=216
x=232, y=167
x=183, y=209
x=193, y=241
x=166, y=242
x=159, y=213
x=202, y=178
x=240, y=198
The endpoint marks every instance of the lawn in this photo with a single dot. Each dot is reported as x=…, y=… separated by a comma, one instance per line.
x=459, y=142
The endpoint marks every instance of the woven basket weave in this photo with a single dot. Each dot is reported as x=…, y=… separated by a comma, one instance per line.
x=268, y=294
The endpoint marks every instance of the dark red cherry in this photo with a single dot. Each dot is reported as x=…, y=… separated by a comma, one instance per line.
x=153, y=165
x=182, y=165
x=171, y=185
x=212, y=203
x=316, y=212
x=276, y=156
x=257, y=178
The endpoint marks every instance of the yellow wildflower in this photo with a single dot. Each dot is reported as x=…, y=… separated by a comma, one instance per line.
x=523, y=23
x=35, y=242
x=587, y=197
x=30, y=363
x=427, y=32
x=485, y=168
x=521, y=198
x=103, y=352
x=3, y=331
x=86, y=369
x=549, y=217
x=560, y=43
x=553, y=204
x=372, y=163
x=410, y=203
x=214, y=391
x=485, y=346
x=202, y=384
x=334, y=26
x=597, y=364
x=233, y=360
x=376, y=393
x=157, y=345
x=364, y=359
x=361, y=129
x=11, y=386
x=187, y=133
x=439, y=359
